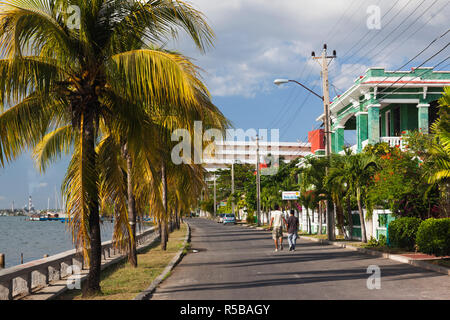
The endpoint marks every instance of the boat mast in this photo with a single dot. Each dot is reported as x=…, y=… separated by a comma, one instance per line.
x=56, y=201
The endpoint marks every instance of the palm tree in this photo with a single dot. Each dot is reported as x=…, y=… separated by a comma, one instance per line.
x=307, y=200
x=74, y=79
x=313, y=179
x=440, y=153
x=338, y=186
x=360, y=173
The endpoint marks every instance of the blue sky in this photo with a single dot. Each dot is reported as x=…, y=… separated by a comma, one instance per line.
x=258, y=41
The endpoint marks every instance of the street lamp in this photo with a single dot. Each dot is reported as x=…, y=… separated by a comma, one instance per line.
x=279, y=82
x=326, y=103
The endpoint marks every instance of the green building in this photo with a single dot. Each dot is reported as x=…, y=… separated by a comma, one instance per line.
x=383, y=105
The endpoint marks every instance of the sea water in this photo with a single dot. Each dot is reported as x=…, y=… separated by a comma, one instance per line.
x=37, y=238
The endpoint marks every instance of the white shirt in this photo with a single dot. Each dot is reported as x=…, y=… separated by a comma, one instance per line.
x=277, y=217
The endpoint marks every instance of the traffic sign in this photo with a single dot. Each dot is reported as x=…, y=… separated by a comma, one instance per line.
x=291, y=195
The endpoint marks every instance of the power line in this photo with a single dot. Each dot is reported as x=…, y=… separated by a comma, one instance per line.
x=333, y=29
x=286, y=106
x=370, y=57
x=434, y=55
x=419, y=76
x=368, y=32
x=355, y=29
x=422, y=51
x=289, y=122
x=407, y=28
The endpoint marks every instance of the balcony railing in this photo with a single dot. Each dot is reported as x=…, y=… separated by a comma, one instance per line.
x=394, y=142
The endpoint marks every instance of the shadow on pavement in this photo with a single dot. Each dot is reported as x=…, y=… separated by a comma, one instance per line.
x=315, y=276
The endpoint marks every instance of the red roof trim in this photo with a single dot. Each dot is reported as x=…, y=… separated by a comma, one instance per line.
x=417, y=82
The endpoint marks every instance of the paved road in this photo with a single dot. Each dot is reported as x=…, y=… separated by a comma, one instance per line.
x=236, y=263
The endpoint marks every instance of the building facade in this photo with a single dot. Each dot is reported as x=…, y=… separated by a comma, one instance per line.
x=383, y=105
x=244, y=152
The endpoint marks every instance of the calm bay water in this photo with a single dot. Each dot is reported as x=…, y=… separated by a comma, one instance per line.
x=36, y=238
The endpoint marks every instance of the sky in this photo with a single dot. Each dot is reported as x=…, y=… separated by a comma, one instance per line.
x=258, y=41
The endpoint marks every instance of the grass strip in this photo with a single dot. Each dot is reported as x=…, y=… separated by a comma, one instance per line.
x=123, y=282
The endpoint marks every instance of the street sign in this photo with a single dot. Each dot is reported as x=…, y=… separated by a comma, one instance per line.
x=291, y=195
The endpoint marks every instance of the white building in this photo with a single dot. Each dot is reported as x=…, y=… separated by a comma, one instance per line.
x=244, y=152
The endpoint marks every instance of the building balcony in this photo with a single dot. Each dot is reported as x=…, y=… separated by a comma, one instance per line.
x=392, y=141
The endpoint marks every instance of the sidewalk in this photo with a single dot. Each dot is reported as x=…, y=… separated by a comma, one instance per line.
x=414, y=259
x=57, y=288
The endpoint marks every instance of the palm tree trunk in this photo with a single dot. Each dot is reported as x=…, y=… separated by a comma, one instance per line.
x=340, y=216
x=309, y=221
x=444, y=188
x=132, y=254
x=350, y=219
x=361, y=216
x=320, y=207
x=177, y=219
x=160, y=228
x=171, y=222
x=164, y=230
x=92, y=286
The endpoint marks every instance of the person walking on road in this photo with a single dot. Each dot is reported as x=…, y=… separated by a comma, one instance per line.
x=292, y=229
x=277, y=223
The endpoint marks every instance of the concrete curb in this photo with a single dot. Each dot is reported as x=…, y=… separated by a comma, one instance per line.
x=395, y=257
x=147, y=293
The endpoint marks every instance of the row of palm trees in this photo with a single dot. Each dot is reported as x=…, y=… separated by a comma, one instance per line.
x=350, y=176
x=108, y=94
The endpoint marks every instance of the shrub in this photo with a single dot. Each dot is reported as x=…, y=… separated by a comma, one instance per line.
x=372, y=242
x=251, y=218
x=382, y=241
x=433, y=237
x=402, y=232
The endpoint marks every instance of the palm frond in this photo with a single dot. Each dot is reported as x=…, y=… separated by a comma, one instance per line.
x=154, y=78
x=22, y=126
x=112, y=190
x=55, y=143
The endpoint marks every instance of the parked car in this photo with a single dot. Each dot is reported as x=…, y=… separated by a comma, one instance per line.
x=220, y=217
x=229, y=218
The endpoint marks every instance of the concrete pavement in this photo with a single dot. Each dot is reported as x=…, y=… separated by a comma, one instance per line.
x=233, y=262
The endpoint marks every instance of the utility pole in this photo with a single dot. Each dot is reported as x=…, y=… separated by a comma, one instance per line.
x=324, y=60
x=215, y=201
x=258, y=183
x=232, y=187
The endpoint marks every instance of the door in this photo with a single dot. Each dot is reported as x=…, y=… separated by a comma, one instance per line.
x=397, y=130
x=387, y=123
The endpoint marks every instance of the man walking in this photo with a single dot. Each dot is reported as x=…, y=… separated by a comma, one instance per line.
x=292, y=227
x=277, y=222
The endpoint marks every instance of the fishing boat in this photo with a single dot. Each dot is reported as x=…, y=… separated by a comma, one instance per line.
x=53, y=217
x=37, y=217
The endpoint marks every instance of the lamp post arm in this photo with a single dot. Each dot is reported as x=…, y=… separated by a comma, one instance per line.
x=321, y=97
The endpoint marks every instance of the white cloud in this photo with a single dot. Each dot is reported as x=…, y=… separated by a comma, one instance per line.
x=346, y=75
x=259, y=40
